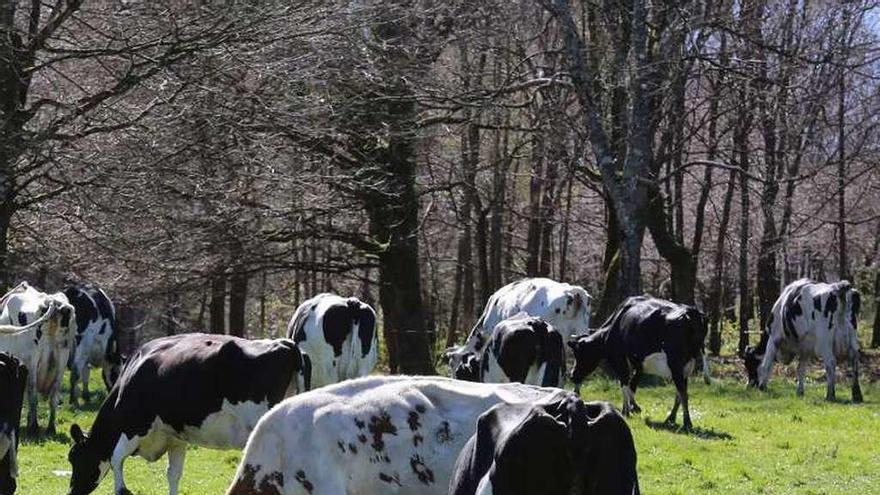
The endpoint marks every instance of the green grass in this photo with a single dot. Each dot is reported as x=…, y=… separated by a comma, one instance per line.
x=745, y=442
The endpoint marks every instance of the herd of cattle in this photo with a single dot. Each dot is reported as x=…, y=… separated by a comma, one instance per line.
x=311, y=421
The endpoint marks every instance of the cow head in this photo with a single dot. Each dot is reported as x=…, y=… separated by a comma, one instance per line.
x=88, y=467
x=588, y=351
x=469, y=369
x=457, y=354
x=752, y=359
x=571, y=314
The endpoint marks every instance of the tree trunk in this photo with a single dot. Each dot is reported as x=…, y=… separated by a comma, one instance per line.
x=716, y=297
x=238, y=287
x=679, y=257
x=217, y=307
x=563, y=240
x=843, y=264
x=611, y=292
x=6, y=281
x=744, y=300
x=533, y=236
x=875, y=332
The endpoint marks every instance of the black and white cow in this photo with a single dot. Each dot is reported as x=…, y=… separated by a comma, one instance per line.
x=565, y=307
x=200, y=389
x=95, y=342
x=45, y=349
x=646, y=335
x=388, y=434
x=13, y=379
x=339, y=335
x=558, y=447
x=809, y=320
x=521, y=349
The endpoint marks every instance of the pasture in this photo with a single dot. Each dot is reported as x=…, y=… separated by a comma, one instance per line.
x=745, y=442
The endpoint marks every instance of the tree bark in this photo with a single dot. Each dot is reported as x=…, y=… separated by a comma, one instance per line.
x=217, y=306
x=238, y=287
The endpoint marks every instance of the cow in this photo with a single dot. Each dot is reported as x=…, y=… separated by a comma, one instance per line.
x=200, y=389
x=557, y=447
x=377, y=434
x=521, y=349
x=646, y=335
x=339, y=335
x=13, y=379
x=96, y=339
x=808, y=320
x=45, y=351
x=565, y=307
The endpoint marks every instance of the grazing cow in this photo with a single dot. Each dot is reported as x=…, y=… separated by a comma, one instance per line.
x=13, y=379
x=565, y=307
x=645, y=335
x=810, y=320
x=96, y=342
x=557, y=447
x=339, y=335
x=521, y=349
x=207, y=390
x=45, y=350
x=388, y=434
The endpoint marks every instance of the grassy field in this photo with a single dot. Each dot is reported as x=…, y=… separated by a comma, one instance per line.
x=745, y=442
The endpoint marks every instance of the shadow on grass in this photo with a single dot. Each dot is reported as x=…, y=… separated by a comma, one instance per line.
x=702, y=433
x=43, y=437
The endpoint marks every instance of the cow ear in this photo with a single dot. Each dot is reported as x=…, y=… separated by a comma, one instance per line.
x=77, y=434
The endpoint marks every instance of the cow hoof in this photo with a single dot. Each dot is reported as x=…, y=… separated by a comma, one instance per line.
x=50, y=430
x=799, y=392
x=124, y=491
x=687, y=427
x=831, y=398
x=636, y=409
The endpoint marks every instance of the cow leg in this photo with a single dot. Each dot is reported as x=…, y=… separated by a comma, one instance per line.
x=54, y=398
x=124, y=448
x=681, y=397
x=627, y=399
x=32, y=427
x=86, y=371
x=801, y=374
x=766, y=365
x=74, y=379
x=706, y=376
x=176, y=456
x=856, y=389
x=830, y=369
x=633, y=385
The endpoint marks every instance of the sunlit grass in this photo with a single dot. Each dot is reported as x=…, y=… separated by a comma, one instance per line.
x=745, y=442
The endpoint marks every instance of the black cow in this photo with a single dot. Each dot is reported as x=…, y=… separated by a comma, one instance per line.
x=96, y=340
x=13, y=379
x=558, y=447
x=521, y=349
x=646, y=335
x=208, y=390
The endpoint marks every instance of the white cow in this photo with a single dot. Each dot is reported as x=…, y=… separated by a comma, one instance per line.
x=810, y=320
x=45, y=349
x=565, y=307
x=339, y=335
x=389, y=434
